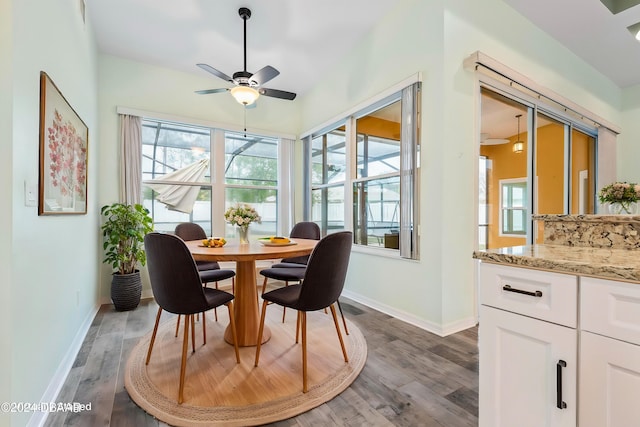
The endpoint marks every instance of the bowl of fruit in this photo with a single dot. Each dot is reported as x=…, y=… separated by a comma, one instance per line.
x=214, y=242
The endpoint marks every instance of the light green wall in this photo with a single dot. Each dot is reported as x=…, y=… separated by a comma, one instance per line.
x=494, y=28
x=629, y=141
x=6, y=191
x=125, y=83
x=434, y=38
x=53, y=262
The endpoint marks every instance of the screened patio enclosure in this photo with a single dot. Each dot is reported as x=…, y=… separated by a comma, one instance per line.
x=244, y=170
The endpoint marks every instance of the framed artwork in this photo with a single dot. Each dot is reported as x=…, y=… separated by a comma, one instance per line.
x=64, y=140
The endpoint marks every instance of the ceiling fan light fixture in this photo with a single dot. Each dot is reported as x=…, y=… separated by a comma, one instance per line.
x=245, y=95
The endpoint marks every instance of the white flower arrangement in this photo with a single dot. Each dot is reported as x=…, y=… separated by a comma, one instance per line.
x=241, y=215
x=621, y=196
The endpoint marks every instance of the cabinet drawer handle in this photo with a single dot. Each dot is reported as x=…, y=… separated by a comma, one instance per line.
x=508, y=288
x=559, y=403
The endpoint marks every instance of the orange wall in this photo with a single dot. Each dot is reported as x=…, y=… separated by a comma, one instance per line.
x=550, y=174
x=550, y=169
x=505, y=164
x=582, y=158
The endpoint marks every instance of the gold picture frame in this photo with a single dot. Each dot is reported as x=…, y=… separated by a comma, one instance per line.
x=64, y=143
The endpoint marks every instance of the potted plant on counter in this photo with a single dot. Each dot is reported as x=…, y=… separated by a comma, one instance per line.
x=123, y=229
x=621, y=197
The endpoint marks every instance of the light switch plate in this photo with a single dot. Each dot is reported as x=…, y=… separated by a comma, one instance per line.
x=30, y=193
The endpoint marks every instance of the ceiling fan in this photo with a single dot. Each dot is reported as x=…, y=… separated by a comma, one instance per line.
x=248, y=86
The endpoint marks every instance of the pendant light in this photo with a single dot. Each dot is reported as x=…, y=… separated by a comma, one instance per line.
x=518, y=146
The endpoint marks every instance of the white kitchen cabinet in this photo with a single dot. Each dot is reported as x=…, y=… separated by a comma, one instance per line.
x=529, y=323
x=528, y=347
x=527, y=371
x=609, y=382
x=609, y=353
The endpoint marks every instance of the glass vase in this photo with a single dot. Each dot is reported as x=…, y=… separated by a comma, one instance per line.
x=626, y=208
x=243, y=234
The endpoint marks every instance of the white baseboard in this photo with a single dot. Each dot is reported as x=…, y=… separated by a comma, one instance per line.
x=435, y=328
x=57, y=381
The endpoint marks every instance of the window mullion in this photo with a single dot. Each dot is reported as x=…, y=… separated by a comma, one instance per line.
x=351, y=160
x=218, y=194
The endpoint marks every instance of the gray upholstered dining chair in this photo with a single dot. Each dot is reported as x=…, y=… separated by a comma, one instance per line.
x=177, y=288
x=320, y=288
x=292, y=269
x=210, y=271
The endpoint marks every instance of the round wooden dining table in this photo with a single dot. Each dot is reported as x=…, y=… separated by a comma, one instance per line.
x=246, y=291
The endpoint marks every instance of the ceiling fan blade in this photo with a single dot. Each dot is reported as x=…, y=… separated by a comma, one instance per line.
x=264, y=75
x=275, y=93
x=208, y=91
x=215, y=72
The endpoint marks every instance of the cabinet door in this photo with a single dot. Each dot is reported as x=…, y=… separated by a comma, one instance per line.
x=521, y=371
x=609, y=382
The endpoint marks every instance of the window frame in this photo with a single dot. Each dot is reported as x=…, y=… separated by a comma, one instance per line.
x=408, y=92
x=512, y=183
x=217, y=184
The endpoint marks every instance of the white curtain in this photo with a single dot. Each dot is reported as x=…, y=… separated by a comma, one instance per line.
x=130, y=159
x=180, y=197
x=286, y=184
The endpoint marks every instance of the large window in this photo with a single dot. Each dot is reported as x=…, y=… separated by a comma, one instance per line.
x=167, y=148
x=251, y=177
x=376, y=189
x=363, y=174
x=192, y=174
x=328, y=174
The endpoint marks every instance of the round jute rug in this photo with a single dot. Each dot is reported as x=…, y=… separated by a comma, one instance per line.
x=220, y=392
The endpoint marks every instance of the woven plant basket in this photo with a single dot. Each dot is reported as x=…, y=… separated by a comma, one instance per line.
x=126, y=290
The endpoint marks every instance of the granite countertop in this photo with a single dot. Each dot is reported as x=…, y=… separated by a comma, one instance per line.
x=605, y=263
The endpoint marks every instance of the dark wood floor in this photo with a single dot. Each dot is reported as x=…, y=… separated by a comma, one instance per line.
x=411, y=378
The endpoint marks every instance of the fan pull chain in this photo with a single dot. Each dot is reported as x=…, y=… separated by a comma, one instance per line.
x=245, y=121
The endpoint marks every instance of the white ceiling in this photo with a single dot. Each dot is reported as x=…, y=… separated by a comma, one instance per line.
x=300, y=38
x=304, y=38
x=592, y=32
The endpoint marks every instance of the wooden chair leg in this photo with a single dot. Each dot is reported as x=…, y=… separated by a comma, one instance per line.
x=177, y=326
x=233, y=285
x=264, y=286
x=297, y=326
x=344, y=322
x=183, y=366
x=153, y=336
x=232, y=323
x=204, y=329
x=303, y=315
x=335, y=321
x=193, y=332
x=261, y=330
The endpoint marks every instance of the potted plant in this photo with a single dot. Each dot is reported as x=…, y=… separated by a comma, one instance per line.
x=622, y=197
x=123, y=230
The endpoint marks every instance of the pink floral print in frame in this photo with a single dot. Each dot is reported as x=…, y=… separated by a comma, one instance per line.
x=64, y=140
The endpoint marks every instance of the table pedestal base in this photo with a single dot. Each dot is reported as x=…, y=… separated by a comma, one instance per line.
x=266, y=335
